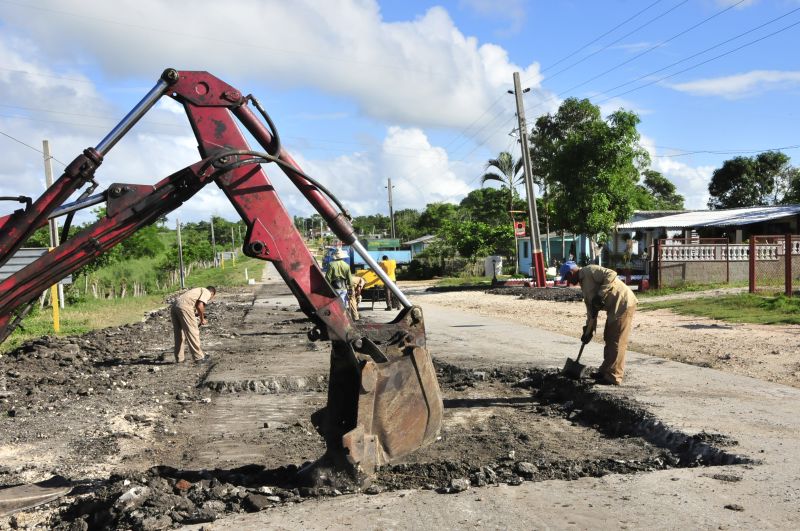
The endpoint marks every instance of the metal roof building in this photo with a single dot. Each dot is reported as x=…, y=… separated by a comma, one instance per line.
x=732, y=217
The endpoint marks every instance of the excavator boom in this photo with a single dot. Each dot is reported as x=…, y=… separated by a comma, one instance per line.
x=383, y=397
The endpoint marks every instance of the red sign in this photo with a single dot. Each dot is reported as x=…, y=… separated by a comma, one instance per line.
x=519, y=228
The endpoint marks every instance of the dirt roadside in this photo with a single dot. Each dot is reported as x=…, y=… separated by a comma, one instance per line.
x=766, y=352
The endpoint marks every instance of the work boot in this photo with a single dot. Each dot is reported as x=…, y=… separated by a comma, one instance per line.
x=206, y=360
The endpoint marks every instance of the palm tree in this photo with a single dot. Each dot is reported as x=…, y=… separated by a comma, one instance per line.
x=506, y=171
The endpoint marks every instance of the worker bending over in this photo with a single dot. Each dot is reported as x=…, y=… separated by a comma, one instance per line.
x=184, y=322
x=602, y=290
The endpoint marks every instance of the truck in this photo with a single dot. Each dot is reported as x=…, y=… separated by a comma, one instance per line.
x=383, y=397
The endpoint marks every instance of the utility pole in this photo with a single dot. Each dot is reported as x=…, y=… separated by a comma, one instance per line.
x=391, y=208
x=48, y=177
x=180, y=253
x=213, y=242
x=537, y=260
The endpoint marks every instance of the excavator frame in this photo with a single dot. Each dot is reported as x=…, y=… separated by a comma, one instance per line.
x=383, y=397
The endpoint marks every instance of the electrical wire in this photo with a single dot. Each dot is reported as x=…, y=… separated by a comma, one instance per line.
x=609, y=45
x=30, y=146
x=600, y=37
x=656, y=46
x=785, y=28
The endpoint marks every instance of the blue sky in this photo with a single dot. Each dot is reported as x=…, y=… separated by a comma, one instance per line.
x=415, y=91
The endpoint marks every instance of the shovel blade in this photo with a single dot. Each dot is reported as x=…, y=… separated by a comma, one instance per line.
x=574, y=369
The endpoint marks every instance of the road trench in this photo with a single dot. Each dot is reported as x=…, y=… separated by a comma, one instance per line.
x=231, y=439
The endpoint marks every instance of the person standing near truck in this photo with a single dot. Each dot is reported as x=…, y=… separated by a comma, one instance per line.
x=390, y=267
x=339, y=276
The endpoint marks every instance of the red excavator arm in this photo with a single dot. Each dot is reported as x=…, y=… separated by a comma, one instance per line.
x=383, y=397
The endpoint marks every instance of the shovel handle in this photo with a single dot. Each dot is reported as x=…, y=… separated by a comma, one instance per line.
x=580, y=352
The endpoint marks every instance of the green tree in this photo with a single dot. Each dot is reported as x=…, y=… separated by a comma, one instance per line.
x=476, y=239
x=791, y=193
x=434, y=217
x=487, y=205
x=406, y=222
x=657, y=193
x=592, y=163
x=506, y=171
x=748, y=181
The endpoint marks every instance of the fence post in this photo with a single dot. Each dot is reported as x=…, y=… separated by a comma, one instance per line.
x=657, y=263
x=752, y=260
x=727, y=260
x=787, y=268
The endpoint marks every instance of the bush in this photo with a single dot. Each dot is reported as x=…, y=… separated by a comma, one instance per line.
x=419, y=270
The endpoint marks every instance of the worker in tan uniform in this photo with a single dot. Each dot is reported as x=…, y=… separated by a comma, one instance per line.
x=602, y=290
x=184, y=313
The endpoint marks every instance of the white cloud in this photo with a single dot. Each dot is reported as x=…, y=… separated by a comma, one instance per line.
x=741, y=85
x=690, y=181
x=417, y=73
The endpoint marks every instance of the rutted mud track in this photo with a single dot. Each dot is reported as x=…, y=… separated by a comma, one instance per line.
x=141, y=440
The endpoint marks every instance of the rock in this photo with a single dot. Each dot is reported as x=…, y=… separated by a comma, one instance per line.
x=734, y=507
x=132, y=499
x=459, y=485
x=154, y=523
x=373, y=489
x=525, y=469
x=182, y=485
x=274, y=425
x=267, y=491
x=256, y=502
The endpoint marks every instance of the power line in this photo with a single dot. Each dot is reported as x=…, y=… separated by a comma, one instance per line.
x=499, y=98
x=555, y=97
x=475, y=134
x=735, y=37
x=600, y=37
x=609, y=45
x=703, y=62
x=685, y=152
x=659, y=45
x=17, y=140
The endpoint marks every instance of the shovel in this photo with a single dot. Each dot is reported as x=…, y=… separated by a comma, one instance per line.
x=575, y=369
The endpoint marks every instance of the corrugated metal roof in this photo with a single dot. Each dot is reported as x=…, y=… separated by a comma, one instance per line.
x=716, y=218
x=421, y=239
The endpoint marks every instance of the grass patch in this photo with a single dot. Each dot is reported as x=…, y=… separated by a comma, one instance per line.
x=232, y=275
x=739, y=308
x=93, y=314
x=84, y=316
x=688, y=288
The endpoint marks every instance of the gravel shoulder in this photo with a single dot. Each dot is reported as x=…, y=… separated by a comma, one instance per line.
x=766, y=352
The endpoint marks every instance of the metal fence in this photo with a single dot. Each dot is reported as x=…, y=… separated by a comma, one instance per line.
x=764, y=262
x=774, y=263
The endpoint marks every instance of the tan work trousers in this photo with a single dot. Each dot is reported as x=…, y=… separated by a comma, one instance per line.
x=184, y=326
x=616, y=334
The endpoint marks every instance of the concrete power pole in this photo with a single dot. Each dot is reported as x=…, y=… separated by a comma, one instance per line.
x=391, y=207
x=537, y=260
x=48, y=176
x=180, y=253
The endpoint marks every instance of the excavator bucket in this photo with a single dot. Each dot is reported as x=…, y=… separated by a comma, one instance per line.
x=383, y=400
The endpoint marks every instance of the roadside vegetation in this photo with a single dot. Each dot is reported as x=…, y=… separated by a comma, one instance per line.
x=738, y=308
